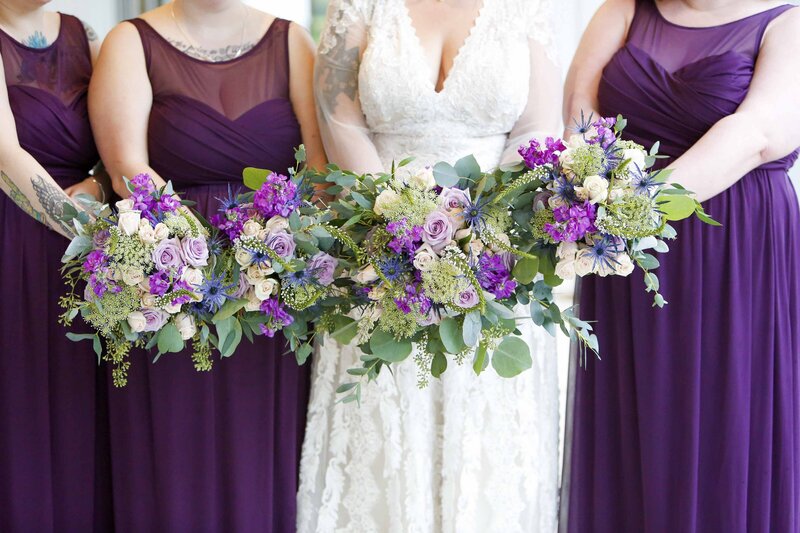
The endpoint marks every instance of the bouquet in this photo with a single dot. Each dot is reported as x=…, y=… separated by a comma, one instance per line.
x=140, y=275
x=441, y=257
x=598, y=206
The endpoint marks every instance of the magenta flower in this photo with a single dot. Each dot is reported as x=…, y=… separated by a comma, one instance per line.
x=535, y=155
x=276, y=197
x=277, y=317
x=572, y=222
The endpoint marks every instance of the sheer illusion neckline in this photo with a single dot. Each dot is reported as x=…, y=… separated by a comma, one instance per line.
x=45, y=48
x=254, y=49
x=715, y=26
x=460, y=52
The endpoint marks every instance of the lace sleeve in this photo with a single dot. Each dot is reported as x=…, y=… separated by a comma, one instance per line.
x=342, y=123
x=542, y=115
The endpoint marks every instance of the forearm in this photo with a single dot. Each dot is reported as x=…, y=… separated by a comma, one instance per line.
x=722, y=156
x=120, y=169
x=575, y=103
x=29, y=186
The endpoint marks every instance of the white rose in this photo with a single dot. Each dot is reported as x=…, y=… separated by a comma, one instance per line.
x=128, y=222
x=616, y=193
x=567, y=250
x=595, y=189
x=462, y=234
x=377, y=293
x=277, y=224
x=266, y=288
x=423, y=179
x=555, y=202
x=502, y=237
x=146, y=232
x=125, y=205
x=475, y=247
x=251, y=228
x=625, y=266
x=137, y=321
x=172, y=308
x=425, y=258
x=244, y=258
x=161, y=232
x=366, y=275
x=565, y=269
x=637, y=157
x=186, y=326
x=254, y=274
x=193, y=276
x=132, y=276
x=385, y=199
x=253, y=303
x=149, y=300
x=584, y=263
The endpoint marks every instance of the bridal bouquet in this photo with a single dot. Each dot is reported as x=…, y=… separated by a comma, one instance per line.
x=597, y=206
x=147, y=275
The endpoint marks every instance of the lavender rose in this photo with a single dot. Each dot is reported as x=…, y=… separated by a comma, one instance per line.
x=194, y=251
x=453, y=200
x=167, y=255
x=438, y=230
x=154, y=319
x=467, y=299
x=282, y=244
x=322, y=266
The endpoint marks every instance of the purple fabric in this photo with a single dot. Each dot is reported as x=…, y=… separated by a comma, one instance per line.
x=689, y=423
x=218, y=451
x=54, y=471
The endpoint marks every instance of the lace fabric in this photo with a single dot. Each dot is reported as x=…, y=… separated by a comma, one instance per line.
x=465, y=453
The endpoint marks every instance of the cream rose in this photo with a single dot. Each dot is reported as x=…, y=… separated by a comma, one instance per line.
x=146, y=232
x=636, y=157
x=565, y=269
x=277, y=224
x=132, y=276
x=128, y=222
x=266, y=288
x=149, y=300
x=366, y=275
x=475, y=246
x=253, y=303
x=172, y=308
x=424, y=258
x=377, y=293
x=244, y=258
x=385, y=199
x=567, y=250
x=595, y=189
x=251, y=228
x=125, y=205
x=625, y=265
x=186, y=326
x=193, y=277
x=423, y=179
x=584, y=263
x=161, y=232
x=137, y=321
x=503, y=238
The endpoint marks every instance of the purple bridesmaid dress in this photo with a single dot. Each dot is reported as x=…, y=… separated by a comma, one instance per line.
x=54, y=473
x=691, y=420
x=217, y=451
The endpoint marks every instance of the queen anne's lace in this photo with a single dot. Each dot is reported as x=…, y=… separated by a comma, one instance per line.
x=467, y=454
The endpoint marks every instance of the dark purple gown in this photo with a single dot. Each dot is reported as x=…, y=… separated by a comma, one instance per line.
x=54, y=472
x=217, y=451
x=691, y=420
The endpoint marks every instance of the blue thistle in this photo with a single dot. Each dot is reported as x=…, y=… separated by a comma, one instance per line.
x=229, y=201
x=644, y=183
x=216, y=244
x=564, y=190
x=584, y=126
x=474, y=214
x=214, y=292
x=604, y=252
x=393, y=267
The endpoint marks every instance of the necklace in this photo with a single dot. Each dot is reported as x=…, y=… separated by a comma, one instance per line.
x=199, y=50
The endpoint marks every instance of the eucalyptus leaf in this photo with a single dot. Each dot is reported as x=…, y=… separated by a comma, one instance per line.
x=438, y=365
x=468, y=167
x=361, y=200
x=512, y=357
x=526, y=269
x=472, y=328
x=228, y=309
x=345, y=329
x=676, y=207
x=389, y=349
x=169, y=339
x=452, y=336
x=445, y=175
x=254, y=178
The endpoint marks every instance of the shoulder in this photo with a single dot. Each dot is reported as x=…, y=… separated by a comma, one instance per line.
x=783, y=33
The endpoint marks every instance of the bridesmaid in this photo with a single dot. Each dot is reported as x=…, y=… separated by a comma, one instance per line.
x=691, y=422
x=195, y=91
x=53, y=459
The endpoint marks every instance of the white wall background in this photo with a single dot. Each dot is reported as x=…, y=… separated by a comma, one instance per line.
x=100, y=14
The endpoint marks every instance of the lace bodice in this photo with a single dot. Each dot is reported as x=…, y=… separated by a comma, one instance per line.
x=486, y=106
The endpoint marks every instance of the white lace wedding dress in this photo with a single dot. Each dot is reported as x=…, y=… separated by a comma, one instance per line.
x=467, y=453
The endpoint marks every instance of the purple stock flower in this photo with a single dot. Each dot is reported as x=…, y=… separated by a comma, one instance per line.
x=414, y=295
x=95, y=260
x=194, y=251
x=168, y=204
x=160, y=283
x=535, y=155
x=322, y=266
x=405, y=239
x=495, y=276
x=605, y=132
x=183, y=299
x=143, y=184
x=277, y=317
x=278, y=196
x=572, y=222
x=168, y=254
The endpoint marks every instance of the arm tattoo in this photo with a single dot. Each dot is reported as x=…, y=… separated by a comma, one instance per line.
x=37, y=40
x=338, y=73
x=52, y=200
x=214, y=55
x=19, y=198
x=91, y=35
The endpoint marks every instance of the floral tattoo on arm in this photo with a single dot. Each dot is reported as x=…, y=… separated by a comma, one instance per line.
x=338, y=73
x=19, y=198
x=52, y=201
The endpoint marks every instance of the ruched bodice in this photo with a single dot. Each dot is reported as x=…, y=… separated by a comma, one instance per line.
x=47, y=89
x=211, y=120
x=674, y=83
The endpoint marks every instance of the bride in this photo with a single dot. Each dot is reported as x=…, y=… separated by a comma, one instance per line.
x=435, y=80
